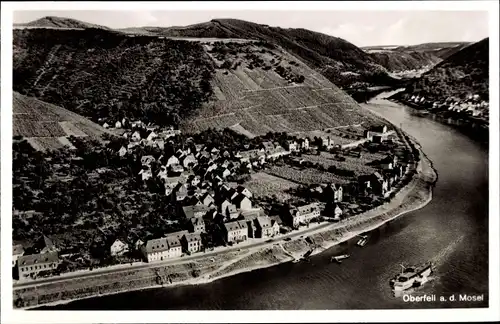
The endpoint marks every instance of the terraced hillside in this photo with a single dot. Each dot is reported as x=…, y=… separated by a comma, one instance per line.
x=105, y=74
x=47, y=126
x=259, y=87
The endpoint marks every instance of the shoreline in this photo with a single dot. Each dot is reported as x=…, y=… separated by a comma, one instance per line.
x=415, y=195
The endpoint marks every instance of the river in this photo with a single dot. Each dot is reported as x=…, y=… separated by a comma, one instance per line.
x=452, y=231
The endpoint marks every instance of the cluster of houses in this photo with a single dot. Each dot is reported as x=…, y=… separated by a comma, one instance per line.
x=472, y=104
x=195, y=177
x=381, y=183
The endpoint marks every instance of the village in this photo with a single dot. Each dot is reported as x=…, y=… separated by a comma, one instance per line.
x=207, y=187
x=470, y=107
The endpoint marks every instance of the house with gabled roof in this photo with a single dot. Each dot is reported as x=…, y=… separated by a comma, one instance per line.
x=267, y=146
x=192, y=242
x=337, y=212
x=334, y=192
x=156, y=250
x=189, y=161
x=118, y=248
x=195, y=211
x=172, y=161
x=236, y=231
x=123, y=151
x=231, y=212
x=265, y=227
x=207, y=199
x=242, y=202
x=292, y=146
x=151, y=136
x=145, y=174
x=32, y=264
x=304, y=214
x=197, y=224
x=181, y=192
x=174, y=243
x=374, y=182
x=136, y=136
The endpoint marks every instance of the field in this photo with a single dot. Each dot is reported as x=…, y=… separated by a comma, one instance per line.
x=306, y=176
x=358, y=165
x=256, y=96
x=46, y=126
x=265, y=185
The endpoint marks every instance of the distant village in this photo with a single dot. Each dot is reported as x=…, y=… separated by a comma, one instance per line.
x=472, y=105
x=195, y=179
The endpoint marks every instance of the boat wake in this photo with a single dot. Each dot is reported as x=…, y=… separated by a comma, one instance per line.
x=444, y=253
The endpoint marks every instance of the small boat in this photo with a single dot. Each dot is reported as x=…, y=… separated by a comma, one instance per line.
x=412, y=276
x=339, y=258
x=362, y=241
x=307, y=254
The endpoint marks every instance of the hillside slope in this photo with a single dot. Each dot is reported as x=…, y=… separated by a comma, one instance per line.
x=47, y=126
x=463, y=73
x=340, y=61
x=260, y=88
x=414, y=57
x=58, y=22
x=106, y=75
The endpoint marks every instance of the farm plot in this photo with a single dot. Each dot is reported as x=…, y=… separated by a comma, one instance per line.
x=32, y=128
x=358, y=165
x=305, y=176
x=70, y=129
x=46, y=143
x=265, y=185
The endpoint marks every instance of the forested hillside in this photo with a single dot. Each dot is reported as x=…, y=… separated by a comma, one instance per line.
x=100, y=74
x=463, y=73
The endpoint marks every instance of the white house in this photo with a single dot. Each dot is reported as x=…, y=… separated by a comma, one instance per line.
x=304, y=214
x=337, y=212
x=292, y=146
x=172, y=160
x=122, y=151
x=118, y=248
x=145, y=174
x=118, y=124
x=105, y=125
x=242, y=202
x=151, y=136
x=136, y=136
x=147, y=159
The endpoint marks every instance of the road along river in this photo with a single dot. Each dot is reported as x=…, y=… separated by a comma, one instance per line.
x=451, y=231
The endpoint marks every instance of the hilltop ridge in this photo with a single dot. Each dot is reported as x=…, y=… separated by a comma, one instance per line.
x=58, y=22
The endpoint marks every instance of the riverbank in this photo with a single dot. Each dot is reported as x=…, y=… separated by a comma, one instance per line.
x=416, y=194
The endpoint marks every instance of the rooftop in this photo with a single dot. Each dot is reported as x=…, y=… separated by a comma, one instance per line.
x=31, y=259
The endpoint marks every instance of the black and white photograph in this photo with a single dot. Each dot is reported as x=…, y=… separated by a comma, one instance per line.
x=220, y=159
